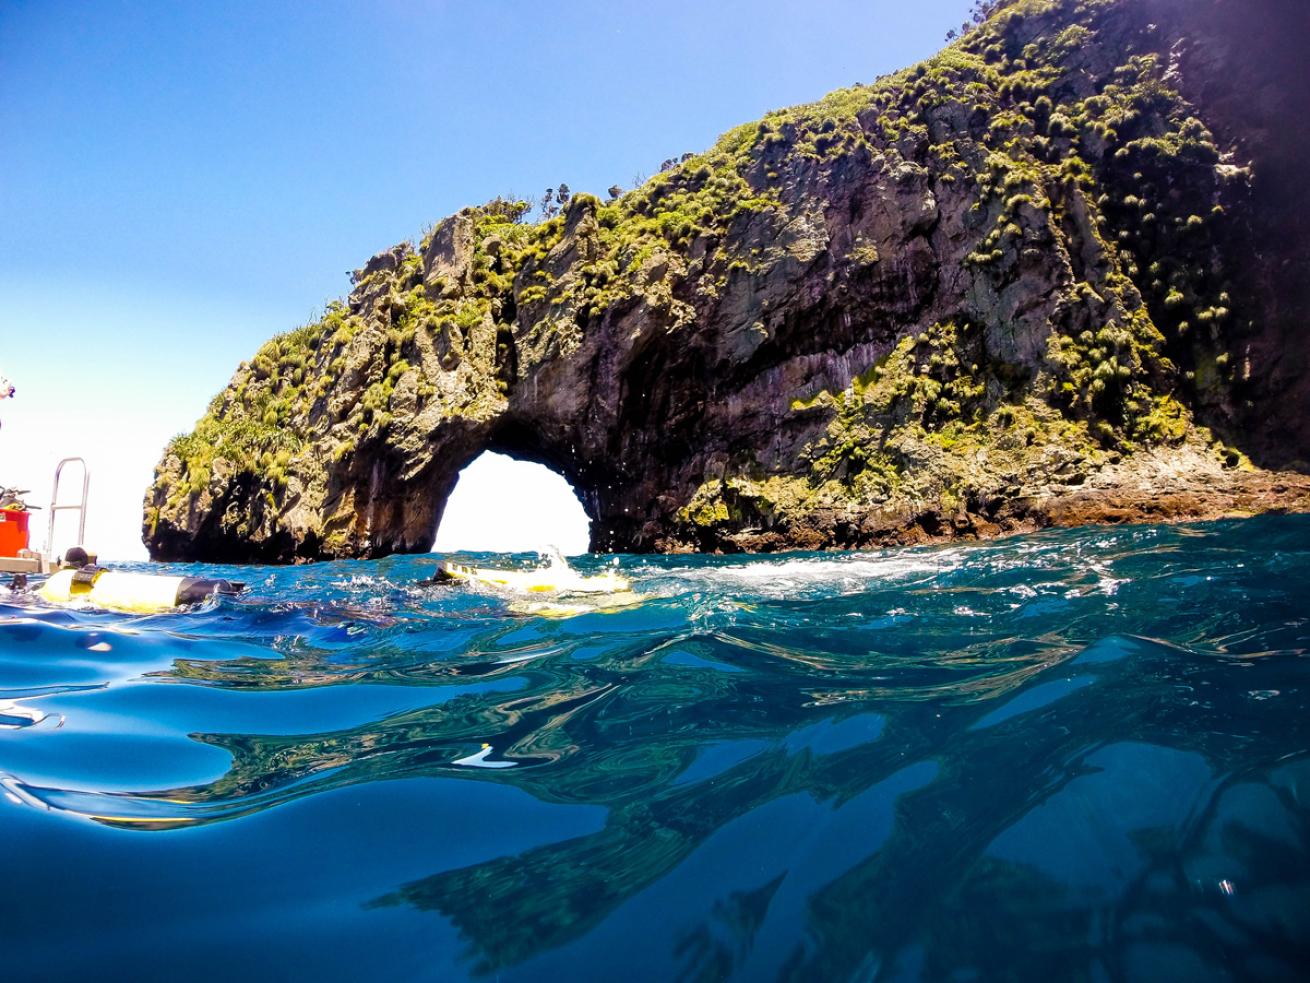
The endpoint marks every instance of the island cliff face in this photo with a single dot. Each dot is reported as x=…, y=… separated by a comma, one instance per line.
x=1056, y=274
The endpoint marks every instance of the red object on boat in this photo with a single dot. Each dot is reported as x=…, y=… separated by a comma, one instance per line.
x=13, y=531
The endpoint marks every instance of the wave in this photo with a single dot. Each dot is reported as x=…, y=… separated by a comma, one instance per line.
x=822, y=763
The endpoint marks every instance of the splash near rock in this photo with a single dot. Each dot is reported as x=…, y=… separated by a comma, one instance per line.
x=1053, y=275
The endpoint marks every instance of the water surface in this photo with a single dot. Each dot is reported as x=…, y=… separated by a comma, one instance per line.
x=1075, y=755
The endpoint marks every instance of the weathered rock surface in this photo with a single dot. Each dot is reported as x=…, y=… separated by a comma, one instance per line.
x=1057, y=274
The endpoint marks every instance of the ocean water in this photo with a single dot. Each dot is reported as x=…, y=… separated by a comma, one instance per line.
x=1074, y=755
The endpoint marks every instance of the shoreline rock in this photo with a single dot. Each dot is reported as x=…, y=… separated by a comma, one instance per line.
x=1181, y=487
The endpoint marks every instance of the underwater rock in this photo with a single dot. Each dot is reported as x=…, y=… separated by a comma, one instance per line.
x=1056, y=274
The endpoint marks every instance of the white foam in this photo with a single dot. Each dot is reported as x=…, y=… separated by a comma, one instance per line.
x=847, y=573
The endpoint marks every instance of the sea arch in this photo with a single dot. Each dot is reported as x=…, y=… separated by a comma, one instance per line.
x=502, y=504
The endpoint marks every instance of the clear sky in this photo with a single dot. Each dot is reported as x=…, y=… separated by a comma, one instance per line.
x=179, y=181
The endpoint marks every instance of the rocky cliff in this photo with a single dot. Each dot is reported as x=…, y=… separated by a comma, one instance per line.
x=1058, y=273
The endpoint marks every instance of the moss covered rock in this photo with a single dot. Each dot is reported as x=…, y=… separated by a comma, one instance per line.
x=920, y=307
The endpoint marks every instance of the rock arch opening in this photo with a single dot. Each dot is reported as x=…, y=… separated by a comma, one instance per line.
x=503, y=504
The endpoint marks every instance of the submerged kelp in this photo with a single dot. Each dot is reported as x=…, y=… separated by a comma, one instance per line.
x=937, y=304
x=1075, y=755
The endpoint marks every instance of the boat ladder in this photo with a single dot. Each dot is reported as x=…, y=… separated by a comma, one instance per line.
x=56, y=508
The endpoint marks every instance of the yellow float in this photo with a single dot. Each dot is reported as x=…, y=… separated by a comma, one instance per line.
x=553, y=579
x=133, y=593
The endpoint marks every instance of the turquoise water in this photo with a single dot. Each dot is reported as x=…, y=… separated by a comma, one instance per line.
x=1074, y=755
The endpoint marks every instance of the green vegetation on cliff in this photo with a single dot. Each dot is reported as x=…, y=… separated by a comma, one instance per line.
x=1050, y=130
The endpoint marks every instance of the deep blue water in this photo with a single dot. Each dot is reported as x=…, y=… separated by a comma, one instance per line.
x=1075, y=755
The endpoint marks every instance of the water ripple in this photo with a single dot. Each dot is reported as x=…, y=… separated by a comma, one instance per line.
x=1093, y=744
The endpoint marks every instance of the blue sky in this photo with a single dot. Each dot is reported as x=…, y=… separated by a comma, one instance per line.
x=179, y=181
